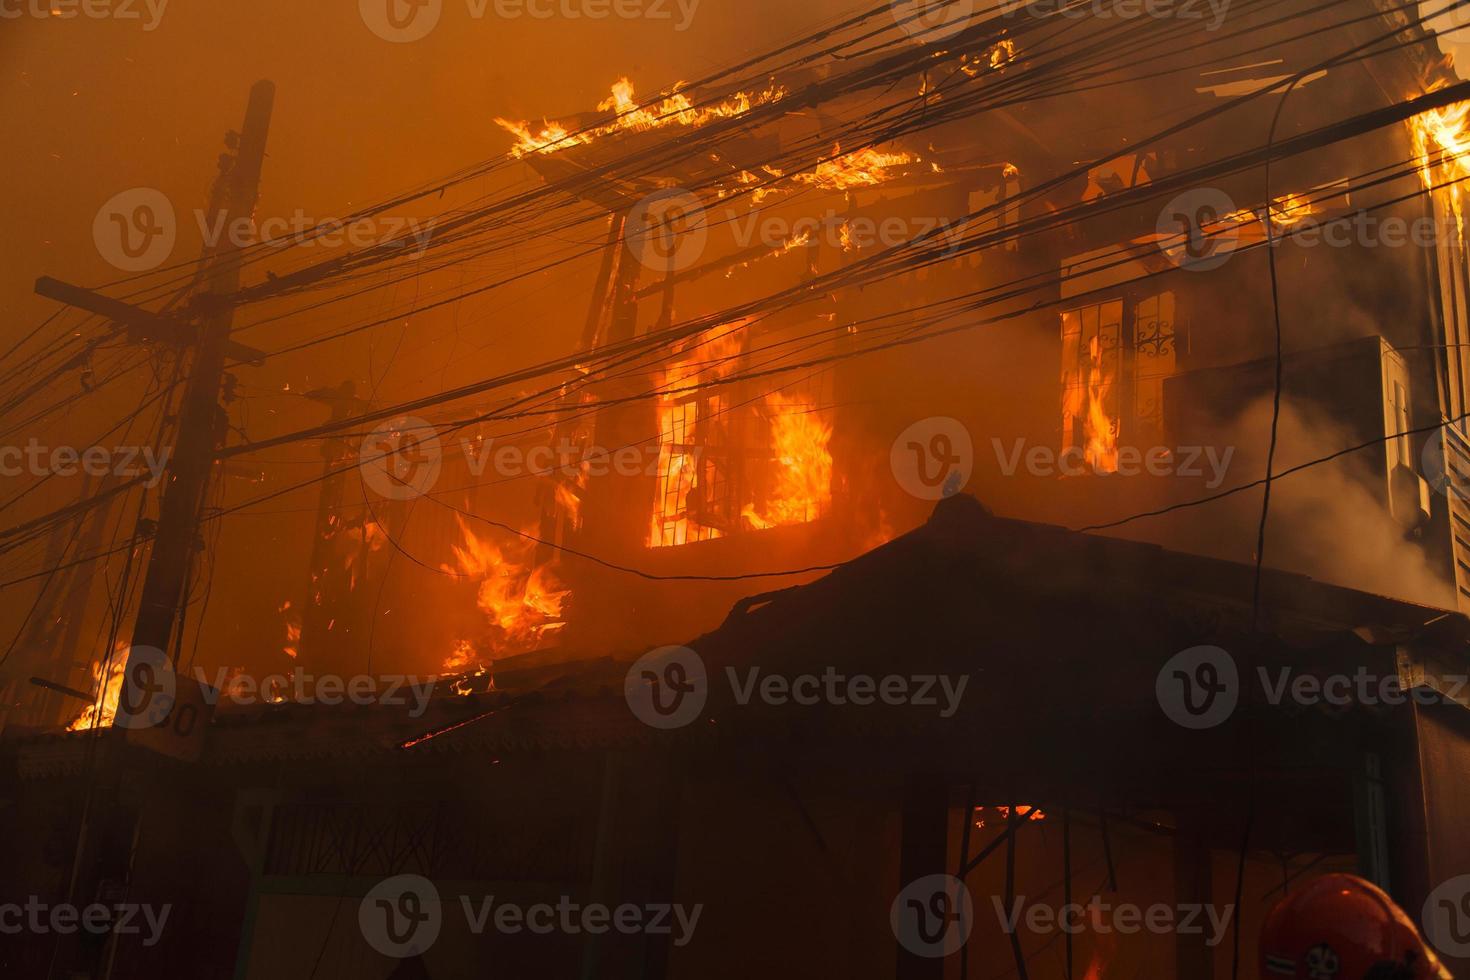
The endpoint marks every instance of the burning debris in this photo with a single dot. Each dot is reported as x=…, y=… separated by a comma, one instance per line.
x=522, y=602
x=674, y=110
x=101, y=712
x=867, y=167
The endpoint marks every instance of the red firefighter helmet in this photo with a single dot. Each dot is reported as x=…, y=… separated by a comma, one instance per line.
x=1340, y=927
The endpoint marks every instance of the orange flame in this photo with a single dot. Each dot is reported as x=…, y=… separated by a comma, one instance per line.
x=570, y=502
x=796, y=241
x=800, y=438
x=671, y=110
x=1291, y=210
x=101, y=712
x=1002, y=54
x=523, y=604
x=461, y=659
x=862, y=168
x=1442, y=146
x=1004, y=813
x=293, y=630
x=1101, y=449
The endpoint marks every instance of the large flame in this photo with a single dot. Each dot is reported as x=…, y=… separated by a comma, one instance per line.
x=671, y=110
x=1442, y=147
x=800, y=438
x=522, y=602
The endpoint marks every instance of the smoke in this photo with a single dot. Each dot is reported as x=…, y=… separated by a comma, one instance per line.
x=1330, y=521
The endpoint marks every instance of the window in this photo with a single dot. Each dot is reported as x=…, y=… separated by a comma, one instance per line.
x=734, y=460
x=1115, y=358
x=1090, y=369
x=691, y=501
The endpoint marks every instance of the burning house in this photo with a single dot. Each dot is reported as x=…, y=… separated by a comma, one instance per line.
x=1006, y=436
x=1061, y=311
x=548, y=785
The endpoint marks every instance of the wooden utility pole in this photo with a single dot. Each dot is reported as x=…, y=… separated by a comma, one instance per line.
x=111, y=823
x=200, y=429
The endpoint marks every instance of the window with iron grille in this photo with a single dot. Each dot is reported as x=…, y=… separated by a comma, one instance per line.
x=1115, y=357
